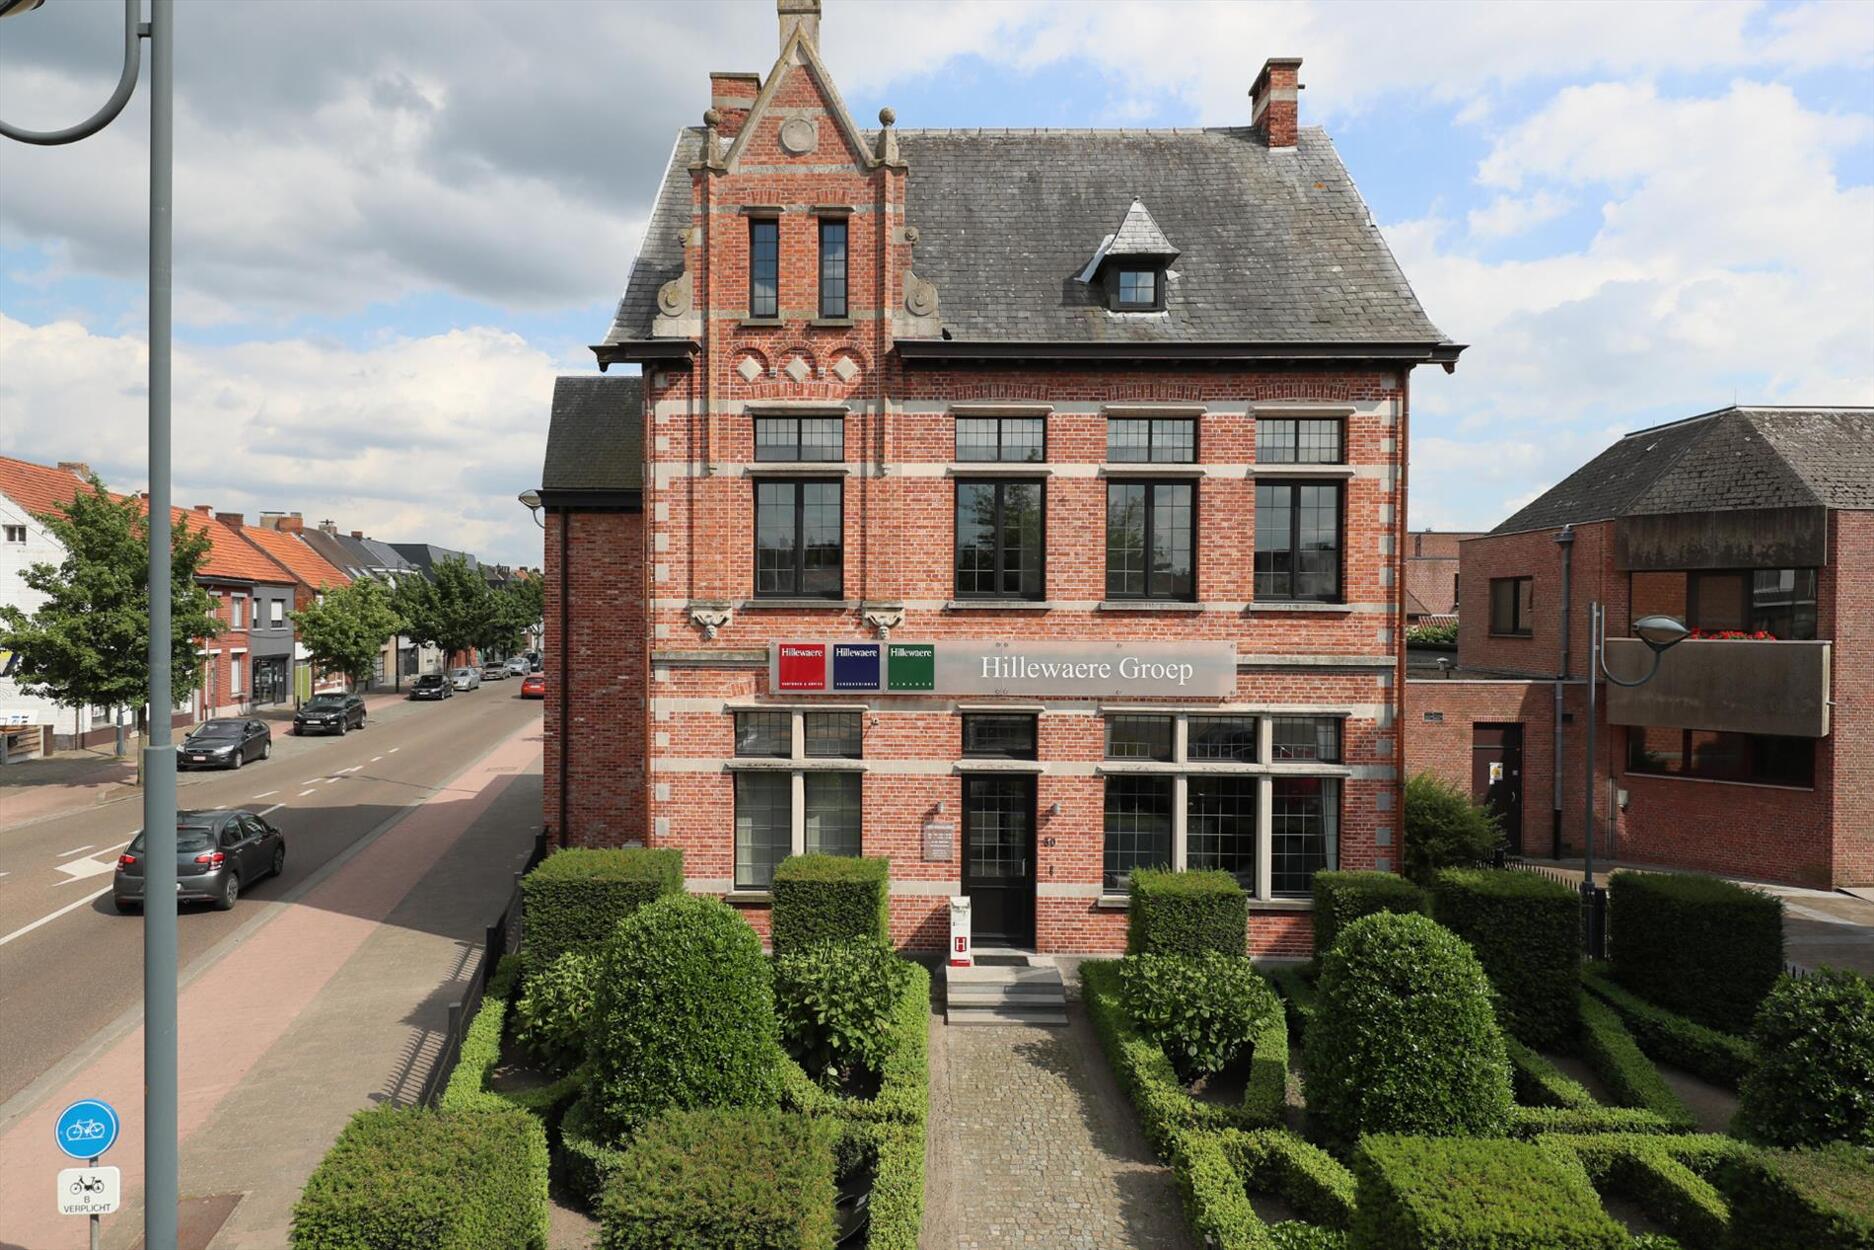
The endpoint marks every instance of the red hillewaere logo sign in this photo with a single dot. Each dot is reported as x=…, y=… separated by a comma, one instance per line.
x=803, y=666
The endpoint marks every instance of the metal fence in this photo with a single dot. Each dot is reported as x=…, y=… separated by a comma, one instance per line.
x=1594, y=913
x=498, y=939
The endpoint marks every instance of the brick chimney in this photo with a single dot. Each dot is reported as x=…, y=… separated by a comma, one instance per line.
x=1273, y=100
x=291, y=523
x=206, y=509
x=235, y=519
x=357, y=533
x=801, y=15
x=732, y=95
x=328, y=526
x=77, y=468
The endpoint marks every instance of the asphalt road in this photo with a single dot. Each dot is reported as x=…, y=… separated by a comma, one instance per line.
x=69, y=964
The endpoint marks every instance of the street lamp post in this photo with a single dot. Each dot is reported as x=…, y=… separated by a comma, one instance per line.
x=160, y=1184
x=1660, y=634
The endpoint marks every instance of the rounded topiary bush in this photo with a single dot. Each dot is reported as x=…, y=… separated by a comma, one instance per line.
x=1814, y=1082
x=554, y=1014
x=1202, y=1010
x=684, y=1016
x=1404, y=1037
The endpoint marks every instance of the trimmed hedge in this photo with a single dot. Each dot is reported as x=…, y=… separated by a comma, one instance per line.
x=1186, y=913
x=685, y=1017
x=1216, y=1172
x=576, y=897
x=1265, y=1092
x=897, y=1205
x=1426, y=1193
x=1404, y=1038
x=1721, y=1058
x=1340, y=898
x=428, y=1180
x=1540, y=1083
x=1298, y=997
x=1666, y=1175
x=584, y=1162
x=1802, y=1199
x=904, y=1078
x=1702, y=947
x=1630, y=1077
x=829, y=898
x=481, y=1052
x=1526, y=930
x=1536, y=1121
x=705, y=1180
x=1816, y=1081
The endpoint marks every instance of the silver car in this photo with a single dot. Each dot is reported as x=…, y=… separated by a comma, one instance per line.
x=517, y=666
x=466, y=678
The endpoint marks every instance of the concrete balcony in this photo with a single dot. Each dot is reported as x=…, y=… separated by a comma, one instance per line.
x=1742, y=685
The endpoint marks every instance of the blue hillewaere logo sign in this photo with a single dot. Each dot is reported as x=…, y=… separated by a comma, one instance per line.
x=86, y=1129
x=855, y=666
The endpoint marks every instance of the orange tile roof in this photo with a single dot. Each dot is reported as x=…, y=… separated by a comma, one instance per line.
x=296, y=555
x=227, y=555
x=36, y=487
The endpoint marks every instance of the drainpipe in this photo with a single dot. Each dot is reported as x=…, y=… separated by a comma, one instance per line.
x=566, y=670
x=1566, y=539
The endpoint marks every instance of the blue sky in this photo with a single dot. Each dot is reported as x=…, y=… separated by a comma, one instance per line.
x=392, y=231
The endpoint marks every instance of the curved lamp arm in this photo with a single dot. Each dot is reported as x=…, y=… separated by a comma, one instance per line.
x=1630, y=684
x=126, y=83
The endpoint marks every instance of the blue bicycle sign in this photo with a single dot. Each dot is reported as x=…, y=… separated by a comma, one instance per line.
x=86, y=1129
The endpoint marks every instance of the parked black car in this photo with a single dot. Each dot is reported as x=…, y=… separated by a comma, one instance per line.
x=432, y=686
x=218, y=854
x=225, y=744
x=330, y=714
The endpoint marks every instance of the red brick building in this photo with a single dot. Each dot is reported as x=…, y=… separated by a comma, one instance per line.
x=1749, y=755
x=1431, y=575
x=1022, y=506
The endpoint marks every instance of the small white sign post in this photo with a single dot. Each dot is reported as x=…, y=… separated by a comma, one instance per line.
x=92, y=1191
x=85, y=1130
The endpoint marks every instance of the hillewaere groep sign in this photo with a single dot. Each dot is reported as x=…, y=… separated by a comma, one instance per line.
x=1094, y=670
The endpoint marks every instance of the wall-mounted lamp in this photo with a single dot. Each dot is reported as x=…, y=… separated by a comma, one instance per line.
x=530, y=499
x=1054, y=808
x=941, y=807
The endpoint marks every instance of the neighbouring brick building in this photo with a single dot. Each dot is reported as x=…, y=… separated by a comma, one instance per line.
x=1431, y=575
x=1751, y=756
x=1022, y=506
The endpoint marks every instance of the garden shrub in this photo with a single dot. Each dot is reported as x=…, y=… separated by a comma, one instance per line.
x=684, y=1018
x=1340, y=898
x=1702, y=947
x=835, y=1001
x=1216, y=1172
x=1536, y=1121
x=904, y=1075
x=1526, y=930
x=829, y=898
x=1427, y=1193
x=1186, y=913
x=1815, y=1083
x=1665, y=1175
x=399, y=1179
x=1630, y=1077
x=1719, y=1057
x=713, y=1179
x=1444, y=828
x=585, y=1158
x=1199, y=1009
x=575, y=898
x=1265, y=1092
x=554, y=1014
x=897, y=1205
x=1298, y=999
x=1802, y=1199
x=1539, y=1083
x=1404, y=1038
x=481, y=1054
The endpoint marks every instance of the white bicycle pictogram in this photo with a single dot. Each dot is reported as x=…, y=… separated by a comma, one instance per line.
x=86, y=1130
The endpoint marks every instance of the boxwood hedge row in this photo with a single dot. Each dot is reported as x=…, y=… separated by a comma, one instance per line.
x=1456, y=1193
x=1340, y=898
x=1216, y=1172
x=829, y=898
x=1705, y=948
x=1719, y=1057
x=481, y=1052
x=1630, y=1077
x=1668, y=1176
x=1540, y=1083
x=575, y=898
x=1186, y=913
x=1526, y=930
x=1802, y=1199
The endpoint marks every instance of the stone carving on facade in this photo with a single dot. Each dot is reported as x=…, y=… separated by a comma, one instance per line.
x=884, y=617
x=799, y=136
x=711, y=616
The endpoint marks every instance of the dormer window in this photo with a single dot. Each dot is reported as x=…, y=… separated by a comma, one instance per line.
x=1132, y=264
x=1138, y=290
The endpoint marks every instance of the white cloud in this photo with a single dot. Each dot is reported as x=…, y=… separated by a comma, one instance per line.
x=1510, y=215
x=411, y=440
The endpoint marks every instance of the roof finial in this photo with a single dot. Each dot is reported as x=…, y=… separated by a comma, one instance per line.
x=887, y=153
x=712, y=142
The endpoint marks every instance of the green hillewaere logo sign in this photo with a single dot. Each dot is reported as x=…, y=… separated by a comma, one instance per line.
x=910, y=665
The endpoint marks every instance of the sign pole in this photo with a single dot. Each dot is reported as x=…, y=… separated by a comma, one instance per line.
x=94, y=1219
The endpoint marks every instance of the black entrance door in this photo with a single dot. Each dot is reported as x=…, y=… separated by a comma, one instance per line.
x=270, y=679
x=1497, y=777
x=999, y=859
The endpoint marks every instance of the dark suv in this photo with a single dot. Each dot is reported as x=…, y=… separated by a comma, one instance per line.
x=330, y=714
x=432, y=686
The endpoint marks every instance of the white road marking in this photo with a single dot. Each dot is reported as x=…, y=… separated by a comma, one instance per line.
x=393, y=750
x=354, y=768
x=330, y=780
x=266, y=794
x=304, y=793
x=49, y=917
x=376, y=758
x=68, y=854
x=276, y=807
x=92, y=865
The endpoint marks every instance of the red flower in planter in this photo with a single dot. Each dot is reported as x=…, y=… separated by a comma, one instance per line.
x=1759, y=635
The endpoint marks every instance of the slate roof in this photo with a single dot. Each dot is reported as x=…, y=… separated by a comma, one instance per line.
x=595, y=441
x=1733, y=459
x=1275, y=247
x=1139, y=235
x=424, y=557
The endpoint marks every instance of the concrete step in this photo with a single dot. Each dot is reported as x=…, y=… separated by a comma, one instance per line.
x=966, y=1015
x=985, y=975
x=1012, y=994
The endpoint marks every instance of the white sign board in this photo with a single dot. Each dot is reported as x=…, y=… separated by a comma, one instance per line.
x=89, y=1191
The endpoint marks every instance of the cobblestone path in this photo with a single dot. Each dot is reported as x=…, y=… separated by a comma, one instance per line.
x=1033, y=1147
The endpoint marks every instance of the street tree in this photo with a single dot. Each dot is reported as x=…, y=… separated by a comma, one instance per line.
x=87, y=643
x=450, y=611
x=515, y=610
x=347, y=628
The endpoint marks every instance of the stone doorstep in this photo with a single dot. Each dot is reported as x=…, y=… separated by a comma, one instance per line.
x=962, y=1016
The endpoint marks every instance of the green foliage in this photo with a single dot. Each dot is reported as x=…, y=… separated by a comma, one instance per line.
x=1199, y=1009
x=896, y=1209
x=1539, y=1083
x=1816, y=1081
x=1432, y=635
x=1426, y=1193
x=836, y=1001
x=1298, y=998
x=1719, y=1057
x=904, y=1079
x=1536, y=1121
x=586, y=1162
x=87, y=643
x=518, y=606
x=554, y=1015
x=481, y=1043
x=575, y=898
x=684, y=1018
x=1702, y=947
x=346, y=628
x=706, y=1180
x=1265, y=1093
x=427, y=1180
x=453, y=609
x=1665, y=1175
x=1186, y=913
x=829, y=898
x=1404, y=1038
x=1630, y=1077
x=1802, y=1199
x=1526, y=930
x=1444, y=828
x=1216, y=1172
x=1340, y=898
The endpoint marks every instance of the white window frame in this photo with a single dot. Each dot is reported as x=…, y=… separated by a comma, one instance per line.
x=237, y=610
x=277, y=614
x=235, y=689
x=16, y=533
x=797, y=763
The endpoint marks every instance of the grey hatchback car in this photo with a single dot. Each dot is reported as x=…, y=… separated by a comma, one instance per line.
x=218, y=854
